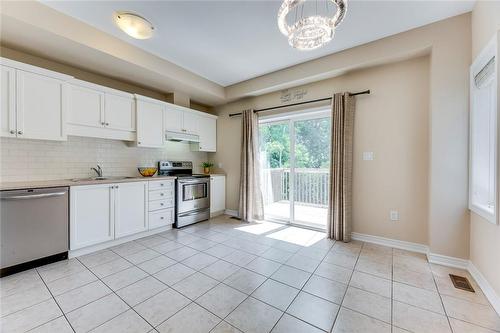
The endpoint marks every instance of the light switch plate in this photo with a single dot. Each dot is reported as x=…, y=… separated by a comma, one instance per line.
x=394, y=215
x=368, y=156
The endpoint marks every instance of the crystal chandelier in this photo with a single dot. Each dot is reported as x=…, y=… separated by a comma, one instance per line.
x=310, y=32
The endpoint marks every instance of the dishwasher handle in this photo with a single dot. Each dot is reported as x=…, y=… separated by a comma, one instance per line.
x=33, y=196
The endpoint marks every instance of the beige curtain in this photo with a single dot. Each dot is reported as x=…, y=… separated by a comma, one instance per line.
x=251, y=203
x=340, y=201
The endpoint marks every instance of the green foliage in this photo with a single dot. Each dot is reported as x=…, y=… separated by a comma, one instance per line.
x=312, y=143
x=207, y=164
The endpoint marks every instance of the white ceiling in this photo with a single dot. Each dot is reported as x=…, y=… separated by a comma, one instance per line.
x=232, y=41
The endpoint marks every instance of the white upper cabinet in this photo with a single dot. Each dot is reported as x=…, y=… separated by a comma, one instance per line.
x=8, y=102
x=191, y=124
x=174, y=118
x=119, y=112
x=86, y=106
x=41, y=107
x=100, y=112
x=207, y=130
x=33, y=102
x=150, y=130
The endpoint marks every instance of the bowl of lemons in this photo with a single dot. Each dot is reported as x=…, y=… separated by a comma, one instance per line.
x=147, y=171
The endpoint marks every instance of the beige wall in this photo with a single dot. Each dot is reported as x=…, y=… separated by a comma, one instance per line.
x=485, y=237
x=449, y=45
x=393, y=122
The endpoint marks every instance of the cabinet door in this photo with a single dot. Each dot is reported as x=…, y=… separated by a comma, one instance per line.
x=208, y=134
x=217, y=194
x=191, y=122
x=173, y=119
x=119, y=112
x=40, y=107
x=130, y=208
x=150, y=124
x=91, y=215
x=86, y=106
x=8, y=102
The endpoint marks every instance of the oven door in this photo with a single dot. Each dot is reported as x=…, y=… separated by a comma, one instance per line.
x=193, y=194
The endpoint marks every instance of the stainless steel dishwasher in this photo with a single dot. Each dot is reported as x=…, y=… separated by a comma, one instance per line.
x=33, y=227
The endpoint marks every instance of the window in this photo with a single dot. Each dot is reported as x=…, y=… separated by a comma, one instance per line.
x=483, y=134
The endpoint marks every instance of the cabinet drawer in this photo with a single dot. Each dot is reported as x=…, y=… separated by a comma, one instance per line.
x=161, y=184
x=161, y=204
x=161, y=218
x=160, y=195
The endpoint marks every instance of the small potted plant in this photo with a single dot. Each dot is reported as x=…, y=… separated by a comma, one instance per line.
x=206, y=167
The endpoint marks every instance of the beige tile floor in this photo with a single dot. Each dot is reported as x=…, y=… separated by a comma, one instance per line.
x=225, y=276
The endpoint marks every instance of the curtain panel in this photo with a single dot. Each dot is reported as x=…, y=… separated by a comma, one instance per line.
x=339, y=220
x=251, y=204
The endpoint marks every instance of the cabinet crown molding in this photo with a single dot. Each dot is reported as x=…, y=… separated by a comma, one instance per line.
x=34, y=69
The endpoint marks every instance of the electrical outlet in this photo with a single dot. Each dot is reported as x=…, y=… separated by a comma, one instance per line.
x=394, y=215
x=220, y=165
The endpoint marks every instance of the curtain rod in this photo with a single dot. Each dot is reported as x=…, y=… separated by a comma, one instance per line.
x=300, y=103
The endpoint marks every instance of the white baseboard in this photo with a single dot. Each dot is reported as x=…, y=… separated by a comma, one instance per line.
x=440, y=259
x=398, y=244
x=487, y=289
x=102, y=246
x=231, y=212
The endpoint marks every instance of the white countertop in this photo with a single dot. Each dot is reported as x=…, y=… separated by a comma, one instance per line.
x=71, y=182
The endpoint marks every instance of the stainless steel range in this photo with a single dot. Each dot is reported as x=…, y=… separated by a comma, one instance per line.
x=192, y=192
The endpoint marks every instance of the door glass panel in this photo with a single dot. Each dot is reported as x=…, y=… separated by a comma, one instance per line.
x=311, y=171
x=194, y=191
x=275, y=169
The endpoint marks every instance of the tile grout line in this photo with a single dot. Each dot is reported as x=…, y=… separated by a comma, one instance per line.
x=55, y=301
x=113, y=292
x=300, y=290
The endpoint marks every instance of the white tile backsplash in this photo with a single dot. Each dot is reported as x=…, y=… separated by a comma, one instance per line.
x=22, y=159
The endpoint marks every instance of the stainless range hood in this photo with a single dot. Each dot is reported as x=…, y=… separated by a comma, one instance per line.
x=181, y=137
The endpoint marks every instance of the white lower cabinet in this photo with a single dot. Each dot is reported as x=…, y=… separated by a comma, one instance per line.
x=92, y=215
x=161, y=203
x=217, y=194
x=130, y=208
x=100, y=213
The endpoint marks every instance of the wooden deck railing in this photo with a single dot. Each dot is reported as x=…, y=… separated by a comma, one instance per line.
x=310, y=186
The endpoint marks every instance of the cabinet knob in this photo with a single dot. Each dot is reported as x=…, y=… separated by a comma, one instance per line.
x=103, y=123
x=12, y=132
x=161, y=204
x=138, y=142
x=161, y=184
x=162, y=194
x=107, y=124
x=19, y=132
x=161, y=218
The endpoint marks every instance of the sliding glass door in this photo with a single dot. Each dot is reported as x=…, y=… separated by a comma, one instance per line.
x=295, y=157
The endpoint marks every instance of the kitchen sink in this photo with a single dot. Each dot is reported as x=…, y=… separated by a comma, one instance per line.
x=76, y=180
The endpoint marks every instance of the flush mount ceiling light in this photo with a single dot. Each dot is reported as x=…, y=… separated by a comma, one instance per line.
x=308, y=32
x=134, y=25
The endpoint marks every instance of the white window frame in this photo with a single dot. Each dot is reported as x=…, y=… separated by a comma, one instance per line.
x=489, y=52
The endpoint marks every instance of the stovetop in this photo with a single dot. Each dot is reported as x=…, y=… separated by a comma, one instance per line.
x=178, y=169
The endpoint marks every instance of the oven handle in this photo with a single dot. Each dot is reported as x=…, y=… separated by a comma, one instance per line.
x=194, y=181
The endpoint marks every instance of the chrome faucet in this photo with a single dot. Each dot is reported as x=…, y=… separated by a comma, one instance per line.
x=98, y=171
